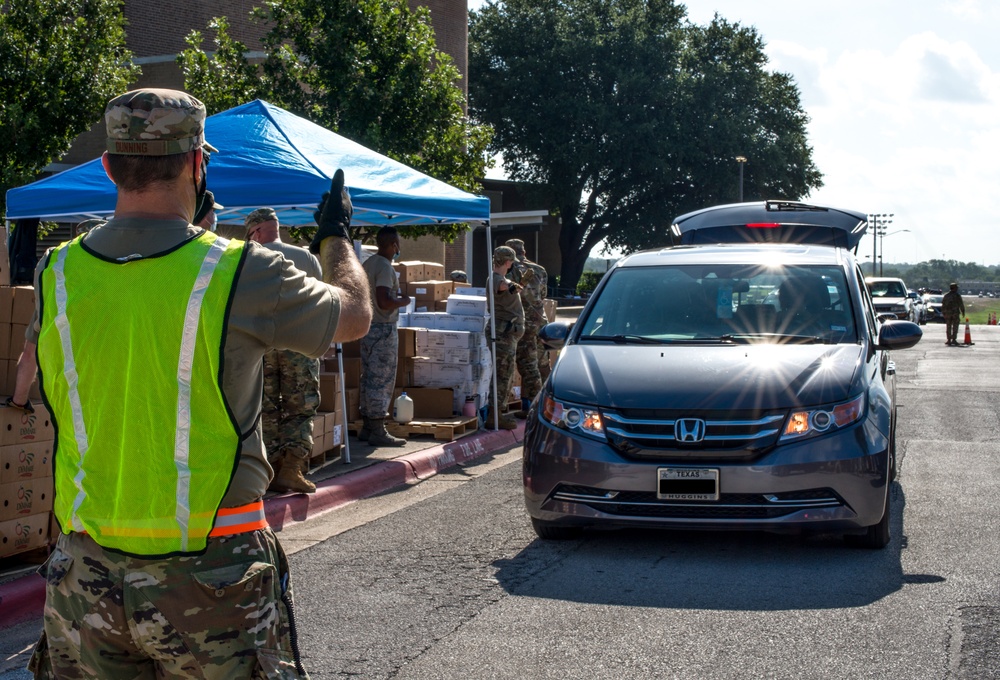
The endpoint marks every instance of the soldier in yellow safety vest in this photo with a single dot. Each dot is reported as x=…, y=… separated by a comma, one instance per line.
x=149, y=334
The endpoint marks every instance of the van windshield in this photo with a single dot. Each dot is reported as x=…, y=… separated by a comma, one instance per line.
x=729, y=303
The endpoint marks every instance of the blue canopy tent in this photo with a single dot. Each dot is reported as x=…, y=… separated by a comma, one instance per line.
x=270, y=157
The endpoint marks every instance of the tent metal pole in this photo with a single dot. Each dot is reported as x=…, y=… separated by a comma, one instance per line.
x=343, y=403
x=493, y=322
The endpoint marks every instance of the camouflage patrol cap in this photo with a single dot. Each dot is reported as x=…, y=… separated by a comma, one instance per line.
x=258, y=216
x=517, y=244
x=503, y=254
x=155, y=122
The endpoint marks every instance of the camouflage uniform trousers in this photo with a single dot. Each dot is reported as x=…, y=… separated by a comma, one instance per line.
x=952, y=322
x=291, y=397
x=529, y=354
x=508, y=335
x=224, y=614
x=379, y=353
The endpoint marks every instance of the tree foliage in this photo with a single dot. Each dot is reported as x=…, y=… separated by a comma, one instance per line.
x=62, y=61
x=626, y=115
x=369, y=70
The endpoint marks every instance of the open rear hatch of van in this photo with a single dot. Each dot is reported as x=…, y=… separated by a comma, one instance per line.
x=770, y=222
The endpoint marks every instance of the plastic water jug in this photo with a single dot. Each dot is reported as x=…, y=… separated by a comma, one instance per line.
x=402, y=410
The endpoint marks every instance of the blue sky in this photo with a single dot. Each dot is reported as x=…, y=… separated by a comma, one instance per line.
x=903, y=105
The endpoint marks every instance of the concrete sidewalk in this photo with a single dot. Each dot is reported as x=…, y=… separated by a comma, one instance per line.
x=370, y=472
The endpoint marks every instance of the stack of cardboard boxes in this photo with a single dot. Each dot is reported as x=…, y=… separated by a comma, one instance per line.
x=26, y=439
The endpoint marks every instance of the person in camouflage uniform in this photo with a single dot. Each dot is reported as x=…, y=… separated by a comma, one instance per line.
x=189, y=581
x=291, y=380
x=530, y=353
x=509, y=322
x=953, y=309
x=380, y=348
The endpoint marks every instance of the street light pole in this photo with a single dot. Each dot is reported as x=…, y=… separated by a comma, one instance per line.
x=741, y=160
x=879, y=221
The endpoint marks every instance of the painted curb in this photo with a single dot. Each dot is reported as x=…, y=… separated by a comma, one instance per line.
x=24, y=597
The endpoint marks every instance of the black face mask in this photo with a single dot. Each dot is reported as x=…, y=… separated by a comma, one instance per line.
x=202, y=186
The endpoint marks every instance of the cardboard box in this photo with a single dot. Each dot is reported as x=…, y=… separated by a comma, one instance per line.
x=6, y=297
x=24, y=533
x=329, y=390
x=427, y=338
x=319, y=445
x=426, y=374
x=415, y=270
x=23, y=309
x=25, y=497
x=5, y=340
x=352, y=372
x=469, y=290
x=468, y=304
x=463, y=322
x=353, y=400
x=441, y=306
x=335, y=438
x=550, y=307
x=427, y=292
x=429, y=402
x=404, y=371
x=407, y=339
x=451, y=355
x=25, y=461
x=351, y=350
x=18, y=427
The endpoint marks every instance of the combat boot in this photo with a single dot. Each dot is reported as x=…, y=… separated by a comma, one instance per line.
x=506, y=422
x=380, y=436
x=366, y=429
x=292, y=476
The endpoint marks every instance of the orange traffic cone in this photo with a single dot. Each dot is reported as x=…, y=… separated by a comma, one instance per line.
x=968, y=333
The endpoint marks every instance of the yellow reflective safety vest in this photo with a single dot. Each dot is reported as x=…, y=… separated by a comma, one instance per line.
x=130, y=355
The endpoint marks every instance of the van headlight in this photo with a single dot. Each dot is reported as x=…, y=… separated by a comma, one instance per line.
x=812, y=422
x=583, y=420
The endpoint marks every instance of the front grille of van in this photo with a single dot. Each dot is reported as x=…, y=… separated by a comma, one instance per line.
x=659, y=434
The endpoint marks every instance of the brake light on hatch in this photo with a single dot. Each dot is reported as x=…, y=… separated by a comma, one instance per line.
x=763, y=225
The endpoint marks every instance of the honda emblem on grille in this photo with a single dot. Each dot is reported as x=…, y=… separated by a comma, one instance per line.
x=689, y=430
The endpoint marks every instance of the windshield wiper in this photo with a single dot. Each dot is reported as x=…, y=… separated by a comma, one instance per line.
x=796, y=339
x=627, y=339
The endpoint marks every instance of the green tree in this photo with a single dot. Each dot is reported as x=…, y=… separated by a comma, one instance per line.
x=369, y=70
x=628, y=115
x=62, y=61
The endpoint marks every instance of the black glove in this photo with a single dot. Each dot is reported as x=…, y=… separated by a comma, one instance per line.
x=333, y=216
x=26, y=406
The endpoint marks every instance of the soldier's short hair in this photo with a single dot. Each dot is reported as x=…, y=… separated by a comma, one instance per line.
x=385, y=234
x=517, y=245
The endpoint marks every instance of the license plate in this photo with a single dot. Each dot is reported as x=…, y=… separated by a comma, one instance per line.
x=687, y=484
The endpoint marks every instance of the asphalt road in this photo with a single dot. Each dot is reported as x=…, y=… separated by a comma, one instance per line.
x=445, y=579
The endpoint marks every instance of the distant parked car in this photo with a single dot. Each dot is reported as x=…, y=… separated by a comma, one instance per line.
x=919, y=308
x=889, y=296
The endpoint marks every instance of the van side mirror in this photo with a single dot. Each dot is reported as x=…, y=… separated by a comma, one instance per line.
x=553, y=335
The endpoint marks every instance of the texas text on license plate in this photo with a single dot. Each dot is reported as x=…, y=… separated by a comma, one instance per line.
x=687, y=484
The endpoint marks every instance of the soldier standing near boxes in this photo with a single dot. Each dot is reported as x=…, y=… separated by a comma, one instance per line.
x=509, y=319
x=166, y=566
x=530, y=352
x=291, y=380
x=380, y=348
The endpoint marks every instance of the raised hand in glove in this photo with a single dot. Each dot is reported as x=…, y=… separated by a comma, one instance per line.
x=26, y=406
x=333, y=216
